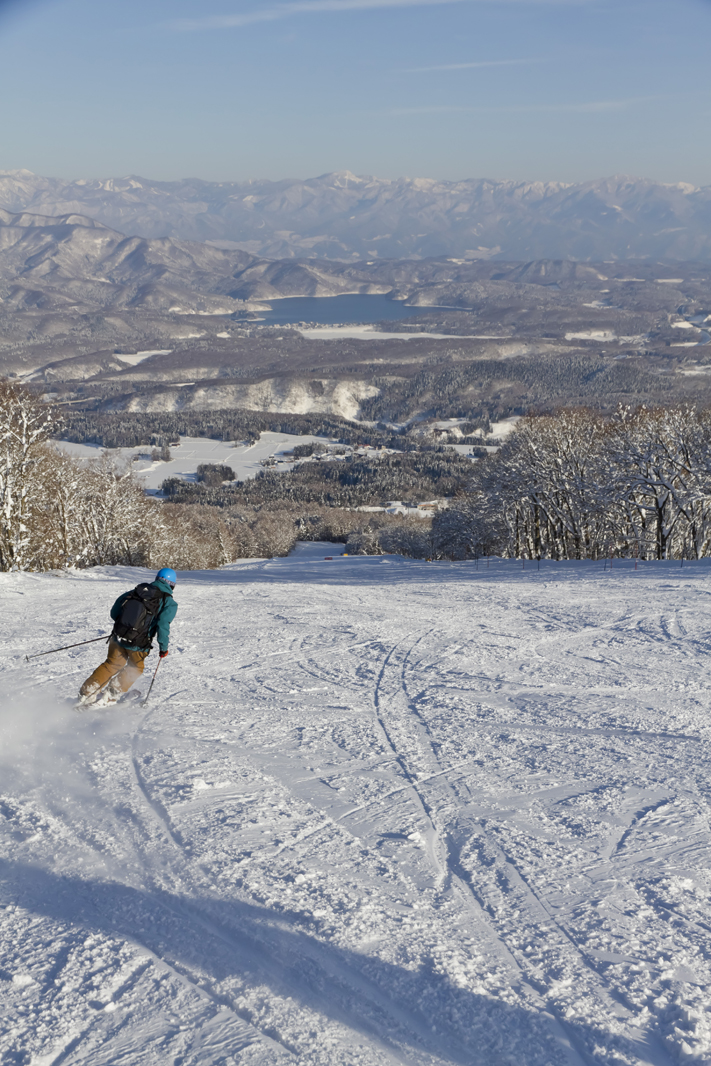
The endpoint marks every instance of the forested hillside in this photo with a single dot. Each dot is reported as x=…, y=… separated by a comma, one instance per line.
x=351, y=482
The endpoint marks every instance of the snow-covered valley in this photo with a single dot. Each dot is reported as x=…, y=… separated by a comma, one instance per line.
x=376, y=811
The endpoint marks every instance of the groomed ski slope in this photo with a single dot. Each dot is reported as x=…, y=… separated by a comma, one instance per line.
x=378, y=811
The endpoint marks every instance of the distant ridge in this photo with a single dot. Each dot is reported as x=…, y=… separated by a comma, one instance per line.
x=343, y=216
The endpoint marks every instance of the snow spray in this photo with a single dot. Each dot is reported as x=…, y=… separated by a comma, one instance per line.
x=44, y=744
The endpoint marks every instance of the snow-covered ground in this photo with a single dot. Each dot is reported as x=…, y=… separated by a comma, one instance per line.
x=498, y=432
x=377, y=811
x=498, y=429
x=245, y=459
x=466, y=449
x=425, y=509
x=370, y=333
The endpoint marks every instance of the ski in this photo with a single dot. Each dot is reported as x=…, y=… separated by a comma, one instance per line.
x=103, y=699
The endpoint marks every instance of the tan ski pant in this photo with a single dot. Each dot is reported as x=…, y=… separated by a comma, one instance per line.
x=125, y=666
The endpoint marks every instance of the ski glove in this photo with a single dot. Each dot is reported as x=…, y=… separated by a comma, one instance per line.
x=164, y=653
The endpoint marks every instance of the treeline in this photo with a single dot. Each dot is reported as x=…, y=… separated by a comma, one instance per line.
x=129, y=429
x=274, y=528
x=577, y=485
x=352, y=482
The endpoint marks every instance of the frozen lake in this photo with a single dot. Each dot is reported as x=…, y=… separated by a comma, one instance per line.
x=333, y=310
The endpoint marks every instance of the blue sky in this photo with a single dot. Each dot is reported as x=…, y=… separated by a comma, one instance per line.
x=234, y=89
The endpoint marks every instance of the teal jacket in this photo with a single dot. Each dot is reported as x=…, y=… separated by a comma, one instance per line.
x=160, y=626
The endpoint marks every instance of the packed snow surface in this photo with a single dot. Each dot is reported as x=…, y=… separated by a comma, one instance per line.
x=376, y=811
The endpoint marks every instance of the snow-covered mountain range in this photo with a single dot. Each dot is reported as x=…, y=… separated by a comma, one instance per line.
x=344, y=216
x=74, y=263
x=83, y=303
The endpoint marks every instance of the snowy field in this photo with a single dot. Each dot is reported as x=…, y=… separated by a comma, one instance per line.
x=245, y=459
x=370, y=333
x=378, y=811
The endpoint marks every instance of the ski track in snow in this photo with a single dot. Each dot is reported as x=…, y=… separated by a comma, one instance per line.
x=377, y=811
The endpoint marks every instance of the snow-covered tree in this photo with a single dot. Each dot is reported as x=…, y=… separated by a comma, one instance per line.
x=117, y=521
x=551, y=481
x=410, y=536
x=660, y=472
x=364, y=542
x=575, y=485
x=25, y=424
x=57, y=524
x=467, y=529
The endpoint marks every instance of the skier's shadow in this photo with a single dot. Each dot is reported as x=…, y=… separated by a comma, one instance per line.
x=396, y=1006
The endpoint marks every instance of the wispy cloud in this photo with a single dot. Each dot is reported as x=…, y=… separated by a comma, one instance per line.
x=585, y=107
x=473, y=66
x=306, y=7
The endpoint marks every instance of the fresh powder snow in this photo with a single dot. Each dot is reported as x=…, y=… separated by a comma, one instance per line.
x=376, y=811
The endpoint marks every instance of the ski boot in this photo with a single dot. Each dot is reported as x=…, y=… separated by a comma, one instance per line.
x=88, y=698
x=109, y=695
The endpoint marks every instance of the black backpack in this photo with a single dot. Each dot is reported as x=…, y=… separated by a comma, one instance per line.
x=139, y=611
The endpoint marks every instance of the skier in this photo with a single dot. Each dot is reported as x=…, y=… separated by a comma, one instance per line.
x=138, y=616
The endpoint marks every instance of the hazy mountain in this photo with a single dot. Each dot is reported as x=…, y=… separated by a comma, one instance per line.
x=74, y=263
x=70, y=265
x=161, y=324
x=341, y=216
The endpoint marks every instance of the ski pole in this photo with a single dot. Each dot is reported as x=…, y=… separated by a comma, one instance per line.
x=66, y=647
x=144, y=702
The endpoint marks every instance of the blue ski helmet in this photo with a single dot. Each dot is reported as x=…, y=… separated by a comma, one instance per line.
x=169, y=576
